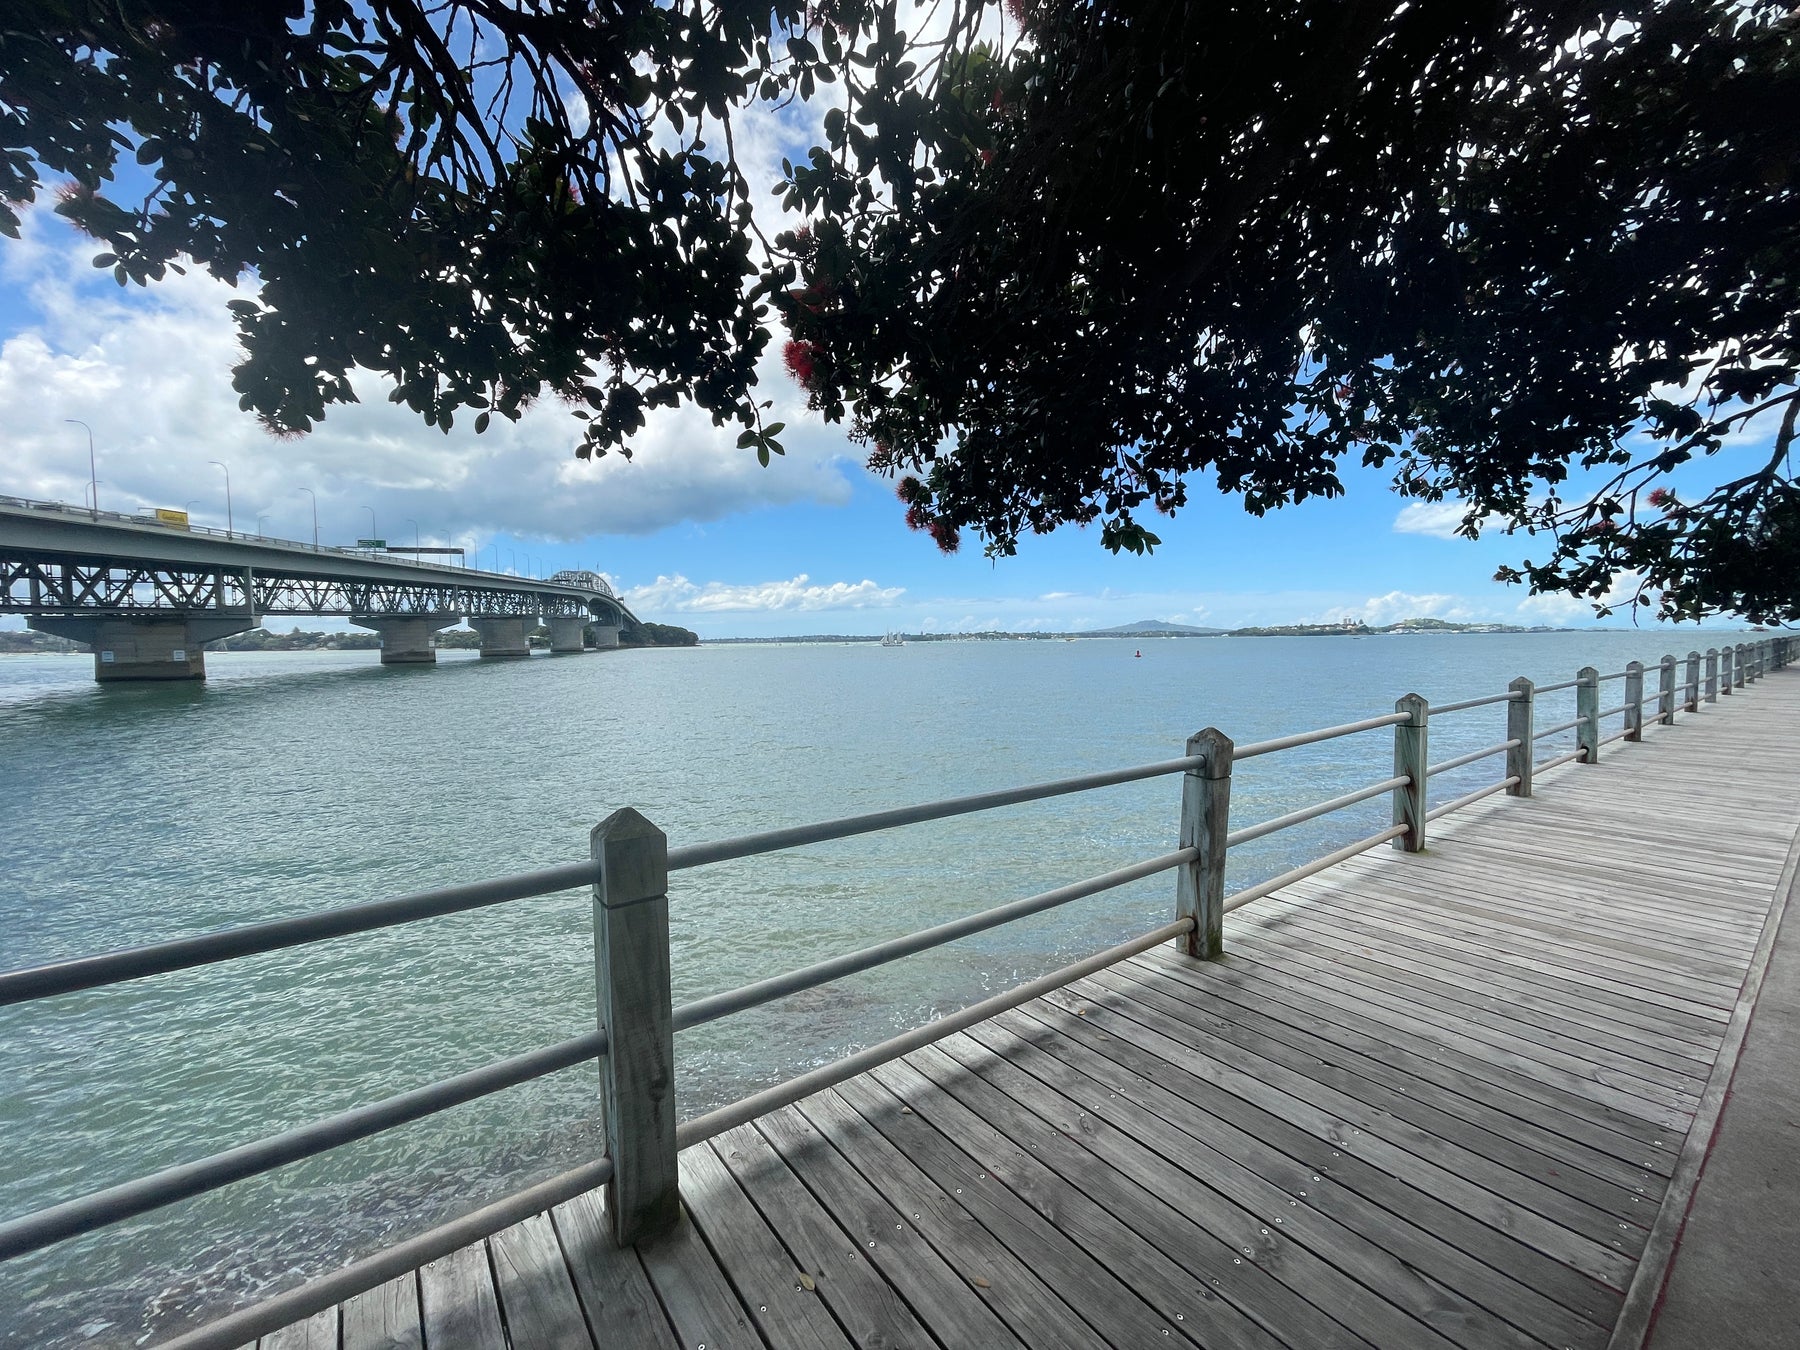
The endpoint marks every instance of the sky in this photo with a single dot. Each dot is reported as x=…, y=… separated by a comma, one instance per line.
x=692, y=531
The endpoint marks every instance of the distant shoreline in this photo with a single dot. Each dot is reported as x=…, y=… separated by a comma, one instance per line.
x=1411, y=628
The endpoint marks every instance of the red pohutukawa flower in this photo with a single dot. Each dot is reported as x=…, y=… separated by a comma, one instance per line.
x=1661, y=497
x=909, y=489
x=916, y=519
x=801, y=359
x=947, y=537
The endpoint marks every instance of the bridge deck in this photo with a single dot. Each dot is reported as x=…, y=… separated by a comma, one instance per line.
x=1425, y=1101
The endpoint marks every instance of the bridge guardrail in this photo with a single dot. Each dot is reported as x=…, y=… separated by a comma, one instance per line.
x=629, y=871
x=595, y=581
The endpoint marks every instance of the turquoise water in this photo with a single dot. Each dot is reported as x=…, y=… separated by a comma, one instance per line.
x=296, y=781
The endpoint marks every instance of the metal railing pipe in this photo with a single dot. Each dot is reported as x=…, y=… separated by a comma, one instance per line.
x=715, y=1006
x=1510, y=696
x=716, y=1122
x=772, y=841
x=242, y=1328
x=130, y=1198
x=1510, y=780
x=1557, y=730
x=255, y=939
x=1470, y=758
x=1549, y=764
x=1331, y=859
x=1269, y=747
x=1268, y=827
x=1560, y=685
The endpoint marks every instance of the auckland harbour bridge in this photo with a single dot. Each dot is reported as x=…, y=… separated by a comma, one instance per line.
x=147, y=595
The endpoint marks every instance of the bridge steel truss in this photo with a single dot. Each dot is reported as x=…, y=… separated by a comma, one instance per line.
x=51, y=586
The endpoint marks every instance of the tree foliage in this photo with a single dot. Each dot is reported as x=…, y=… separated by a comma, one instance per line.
x=1059, y=263
x=1489, y=245
x=482, y=200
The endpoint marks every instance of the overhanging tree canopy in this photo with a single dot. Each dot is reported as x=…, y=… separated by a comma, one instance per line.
x=1048, y=278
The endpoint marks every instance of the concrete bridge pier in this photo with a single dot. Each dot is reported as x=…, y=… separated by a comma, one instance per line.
x=566, y=632
x=407, y=639
x=503, y=637
x=606, y=635
x=145, y=647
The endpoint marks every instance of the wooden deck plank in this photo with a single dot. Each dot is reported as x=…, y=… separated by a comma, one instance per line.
x=1560, y=1133
x=1330, y=1264
x=1250, y=1264
x=537, y=1296
x=318, y=1332
x=1492, y=1268
x=458, y=1303
x=1102, y=1297
x=1206, y=1300
x=386, y=1317
x=1598, y=1180
x=945, y=1300
x=613, y=1288
x=1026, y=1303
x=865, y=1305
x=699, y=1300
x=752, y=1257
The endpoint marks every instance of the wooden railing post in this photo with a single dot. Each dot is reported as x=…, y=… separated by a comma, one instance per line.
x=1587, y=711
x=1205, y=821
x=1410, y=759
x=1665, y=690
x=1712, y=674
x=1690, y=693
x=1737, y=665
x=1519, y=716
x=1725, y=671
x=637, y=1074
x=1634, y=700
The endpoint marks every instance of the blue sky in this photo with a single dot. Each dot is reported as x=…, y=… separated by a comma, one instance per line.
x=692, y=531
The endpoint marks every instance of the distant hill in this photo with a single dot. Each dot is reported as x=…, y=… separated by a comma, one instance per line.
x=1154, y=628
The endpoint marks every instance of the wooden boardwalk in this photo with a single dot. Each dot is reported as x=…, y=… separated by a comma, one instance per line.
x=1425, y=1101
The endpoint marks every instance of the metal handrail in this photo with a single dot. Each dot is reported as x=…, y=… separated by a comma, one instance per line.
x=1557, y=729
x=1470, y=758
x=1268, y=827
x=1557, y=762
x=1257, y=892
x=1470, y=797
x=796, y=836
x=1560, y=685
x=1269, y=747
x=1510, y=696
x=1612, y=712
x=748, y=996
x=716, y=1122
x=128, y=1199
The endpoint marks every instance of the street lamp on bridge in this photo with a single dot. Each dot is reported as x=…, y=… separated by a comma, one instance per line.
x=415, y=524
x=93, y=479
x=315, y=504
x=228, y=524
x=371, y=511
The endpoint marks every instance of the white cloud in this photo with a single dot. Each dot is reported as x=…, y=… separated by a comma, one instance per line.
x=678, y=595
x=1561, y=607
x=1440, y=520
x=150, y=372
x=1398, y=605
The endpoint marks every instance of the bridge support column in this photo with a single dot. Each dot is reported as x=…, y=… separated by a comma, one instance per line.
x=503, y=637
x=406, y=639
x=145, y=647
x=604, y=636
x=566, y=632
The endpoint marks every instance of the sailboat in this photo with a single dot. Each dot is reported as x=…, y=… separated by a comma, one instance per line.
x=893, y=639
